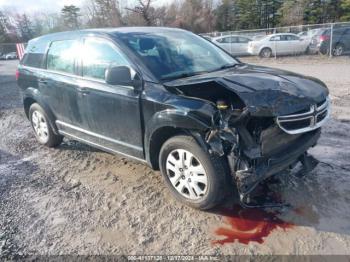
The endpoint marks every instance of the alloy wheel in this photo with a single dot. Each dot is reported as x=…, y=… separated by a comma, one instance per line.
x=338, y=50
x=187, y=174
x=40, y=126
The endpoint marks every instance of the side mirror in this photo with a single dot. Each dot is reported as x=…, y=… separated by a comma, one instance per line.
x=119, y=75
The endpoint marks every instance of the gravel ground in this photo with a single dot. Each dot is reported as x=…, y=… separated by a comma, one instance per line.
x=78, y=200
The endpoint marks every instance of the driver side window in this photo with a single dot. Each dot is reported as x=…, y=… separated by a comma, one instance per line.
x=99, y=55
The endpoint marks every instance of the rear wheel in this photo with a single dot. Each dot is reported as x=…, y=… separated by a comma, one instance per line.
x=265, y=52
x=338, y=50
x=42, y=128
x=194, y=177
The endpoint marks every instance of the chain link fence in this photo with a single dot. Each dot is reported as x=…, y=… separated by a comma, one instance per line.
x=331, y=39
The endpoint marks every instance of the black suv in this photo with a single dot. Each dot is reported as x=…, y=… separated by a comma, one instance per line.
x=175, y=101
x=340, y=41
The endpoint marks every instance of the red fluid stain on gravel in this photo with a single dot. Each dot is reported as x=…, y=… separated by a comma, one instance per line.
x=248, y=225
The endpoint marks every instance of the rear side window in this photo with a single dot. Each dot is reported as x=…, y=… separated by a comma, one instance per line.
x=62, y=55
x=243, y=39
x=34, y=53
x=275, y=38
x=98, y=55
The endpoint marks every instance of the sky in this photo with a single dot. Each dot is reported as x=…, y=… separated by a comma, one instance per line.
x=31, y=6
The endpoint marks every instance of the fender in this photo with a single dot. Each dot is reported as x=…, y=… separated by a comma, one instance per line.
x=175, y=118
x=34, y=94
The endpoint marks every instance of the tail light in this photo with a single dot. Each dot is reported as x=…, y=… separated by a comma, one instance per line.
x=17, y=74
x=324, y=38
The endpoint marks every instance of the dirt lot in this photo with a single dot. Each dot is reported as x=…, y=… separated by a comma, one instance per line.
x=78, y=200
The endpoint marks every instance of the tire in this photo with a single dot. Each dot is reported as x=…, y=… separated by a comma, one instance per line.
x=265, y=52
x=215, y=173
x=41, y=125
x=338, y=50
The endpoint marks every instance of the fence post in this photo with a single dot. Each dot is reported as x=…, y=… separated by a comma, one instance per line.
x=331, y=42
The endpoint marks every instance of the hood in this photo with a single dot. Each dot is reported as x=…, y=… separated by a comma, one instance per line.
x=265, y=91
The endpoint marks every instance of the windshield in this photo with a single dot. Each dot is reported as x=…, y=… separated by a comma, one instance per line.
x=176, y=54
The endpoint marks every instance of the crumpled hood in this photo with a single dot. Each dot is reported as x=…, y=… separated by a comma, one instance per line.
x=265, y=91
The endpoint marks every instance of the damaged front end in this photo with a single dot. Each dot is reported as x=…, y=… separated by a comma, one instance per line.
x=262, y=131
x=257, y=149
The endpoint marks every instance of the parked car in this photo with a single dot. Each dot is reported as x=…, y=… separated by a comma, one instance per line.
x=206, y=37
x=10, y=56
x=173, y=100
x=340, y=42
x=234, y=44
x=308, y=36
x=279, y=44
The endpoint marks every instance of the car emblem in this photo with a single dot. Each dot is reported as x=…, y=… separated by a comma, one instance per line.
x=313, y=121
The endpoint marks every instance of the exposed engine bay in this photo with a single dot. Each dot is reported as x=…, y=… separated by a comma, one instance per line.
x=255, y=144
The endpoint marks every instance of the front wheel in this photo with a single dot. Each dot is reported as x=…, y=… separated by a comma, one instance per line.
x=265, y=52
x=194, y=177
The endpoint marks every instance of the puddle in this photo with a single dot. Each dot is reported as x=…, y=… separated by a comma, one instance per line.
x=246, y=225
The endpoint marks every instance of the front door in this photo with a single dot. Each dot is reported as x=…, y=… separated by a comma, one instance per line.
x=112, y=112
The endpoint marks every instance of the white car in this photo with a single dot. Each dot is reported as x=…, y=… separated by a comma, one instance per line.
x=278, y=44
x=234, y=44
x=12, y=55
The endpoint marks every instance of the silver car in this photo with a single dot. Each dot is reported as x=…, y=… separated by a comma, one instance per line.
x=234, y=44
x=278, y=44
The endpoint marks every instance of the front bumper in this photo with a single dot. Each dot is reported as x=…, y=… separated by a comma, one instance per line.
x=252, y=50
x=275, y=161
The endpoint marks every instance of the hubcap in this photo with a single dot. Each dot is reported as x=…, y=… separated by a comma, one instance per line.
x=40, y=126
x=266, y=53
x=338, y=50
x=186, y=174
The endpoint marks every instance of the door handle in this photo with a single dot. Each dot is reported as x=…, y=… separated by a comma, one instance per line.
x=42, y=81
x=84, y=91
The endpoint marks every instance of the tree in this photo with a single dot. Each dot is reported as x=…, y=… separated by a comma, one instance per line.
x=145, y=14
x=248, y=14
x=226, y=15
x=70, y=15
x=345, y=10
x=104, y=13
x=25, y=27
x=292, y=12
x=4, y=36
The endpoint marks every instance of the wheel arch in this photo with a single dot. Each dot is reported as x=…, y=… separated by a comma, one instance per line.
x=166, y=124
x=32, y=96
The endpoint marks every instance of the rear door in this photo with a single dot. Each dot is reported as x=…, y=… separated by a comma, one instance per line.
x=112, y=112
x=58, y=84
x=347, y=39
x=284, y=45
x=243, y=45
x=276, y=45
x=295, y=44
x=225, y=43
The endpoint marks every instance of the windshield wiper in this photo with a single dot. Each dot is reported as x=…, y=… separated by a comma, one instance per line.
x=226, y=66
x=182, y=75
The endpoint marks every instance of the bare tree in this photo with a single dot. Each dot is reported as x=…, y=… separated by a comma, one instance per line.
x=104, y=13
x=25, y=27
x=148, y=13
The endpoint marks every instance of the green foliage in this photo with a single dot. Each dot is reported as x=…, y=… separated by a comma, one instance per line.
x=70, y=15
x=345, y=10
